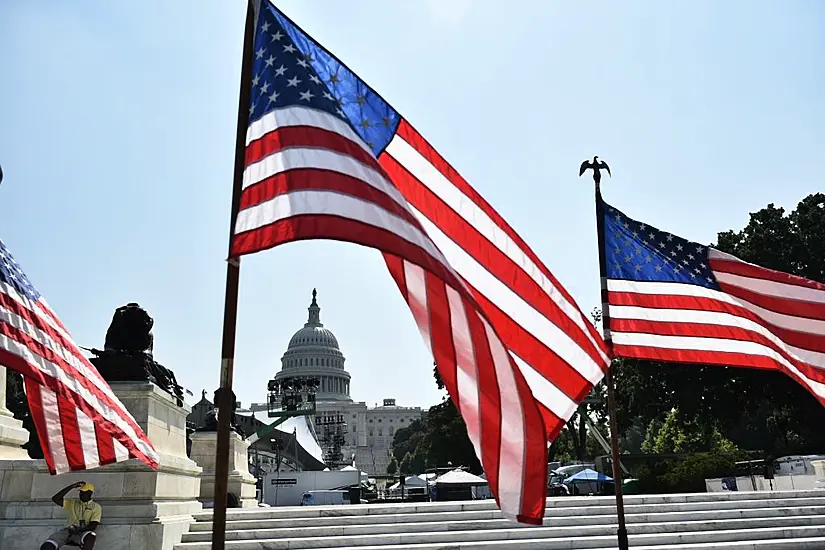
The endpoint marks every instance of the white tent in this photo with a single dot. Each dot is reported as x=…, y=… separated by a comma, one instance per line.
x=411, y=481
x=460, y=477
x=349, y=468
x=300, y=428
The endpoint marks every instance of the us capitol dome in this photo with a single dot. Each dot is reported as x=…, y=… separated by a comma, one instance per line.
x=313, y=351
x=347, y=431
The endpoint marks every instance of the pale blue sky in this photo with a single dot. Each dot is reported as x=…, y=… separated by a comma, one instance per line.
x=117, y=123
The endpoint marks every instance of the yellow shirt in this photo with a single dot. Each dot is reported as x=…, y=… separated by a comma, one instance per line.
x=77, y=510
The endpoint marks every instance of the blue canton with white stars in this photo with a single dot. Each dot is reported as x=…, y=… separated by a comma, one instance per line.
x=638, y=252
x=291, y=69
x=12, y=275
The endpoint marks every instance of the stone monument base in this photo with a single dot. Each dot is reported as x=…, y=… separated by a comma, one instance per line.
x=241, y=482
x=142, y=508
x=12, y=436
x=132, y=516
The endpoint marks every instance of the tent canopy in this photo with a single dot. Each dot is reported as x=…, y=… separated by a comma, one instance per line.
x=414, y=481
x=459, y=477
x=296, y=433
x=588, y=475
x=410, y=481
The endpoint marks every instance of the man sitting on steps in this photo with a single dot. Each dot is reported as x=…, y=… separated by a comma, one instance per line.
x=83, y=516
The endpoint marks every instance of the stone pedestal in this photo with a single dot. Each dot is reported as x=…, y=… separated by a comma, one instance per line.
x=819, y=471
x=241, y=482
x=142, y=508
x=12, y=433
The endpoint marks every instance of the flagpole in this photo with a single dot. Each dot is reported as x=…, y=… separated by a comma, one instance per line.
x=621, y=533
x=225, y=396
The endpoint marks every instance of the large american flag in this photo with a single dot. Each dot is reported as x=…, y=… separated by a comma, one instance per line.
x=673, y=300
x=79, y=421
x=328, y=158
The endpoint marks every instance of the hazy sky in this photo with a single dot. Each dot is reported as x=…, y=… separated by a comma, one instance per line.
x=117, y=124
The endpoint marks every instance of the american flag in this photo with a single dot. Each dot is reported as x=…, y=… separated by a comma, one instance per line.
x=79, y=421
x=328, y=158
x=674, y=300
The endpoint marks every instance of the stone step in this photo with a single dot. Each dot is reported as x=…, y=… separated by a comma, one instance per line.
x=776, y=520
x=659, y=541
x=490, y=505
x=804, y=543
x=346, y=515
x=484, y=531
x=454, y=520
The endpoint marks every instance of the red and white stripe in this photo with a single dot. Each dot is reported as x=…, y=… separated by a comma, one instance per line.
x=81, y=424
x=515, y=352
x=759, y=319
x=559, y=352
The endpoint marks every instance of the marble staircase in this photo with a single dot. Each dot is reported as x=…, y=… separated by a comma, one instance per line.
x=732, y=520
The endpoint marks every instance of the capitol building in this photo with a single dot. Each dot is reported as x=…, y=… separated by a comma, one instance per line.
x=348, y=431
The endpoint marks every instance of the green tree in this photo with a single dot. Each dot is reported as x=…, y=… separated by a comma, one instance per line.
x=632, y=440
x=414, y=463
x=651, y=435
x=392, y=467
x=407, y=439
x=682, y=434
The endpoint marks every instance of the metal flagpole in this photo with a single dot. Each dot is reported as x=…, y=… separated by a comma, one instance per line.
x=596, y=165
x=226, y=397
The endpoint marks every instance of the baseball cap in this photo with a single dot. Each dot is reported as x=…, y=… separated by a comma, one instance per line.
x=87, y=487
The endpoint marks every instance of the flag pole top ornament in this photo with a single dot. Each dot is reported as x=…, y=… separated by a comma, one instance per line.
x=597, y=166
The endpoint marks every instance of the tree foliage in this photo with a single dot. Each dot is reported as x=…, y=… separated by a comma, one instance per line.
x=684, y=434
x=702, y=407
x=392, y=467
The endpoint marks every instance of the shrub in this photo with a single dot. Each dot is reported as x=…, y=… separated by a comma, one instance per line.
x=686, y=475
